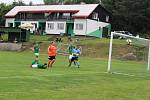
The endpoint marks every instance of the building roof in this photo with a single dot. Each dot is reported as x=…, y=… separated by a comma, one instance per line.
x=81, y=10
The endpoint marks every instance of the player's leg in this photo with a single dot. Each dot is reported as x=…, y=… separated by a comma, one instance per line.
x=51, y=61
x=42, y=66
x=36, y=56
x=70, y=60
x=77, y=62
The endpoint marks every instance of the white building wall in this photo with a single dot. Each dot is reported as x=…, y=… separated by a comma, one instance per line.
x=55, y=30
x=93, y=25
x=9, y=20
x=77, y=31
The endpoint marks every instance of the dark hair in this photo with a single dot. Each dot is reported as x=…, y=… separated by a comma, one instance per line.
x=52, y=42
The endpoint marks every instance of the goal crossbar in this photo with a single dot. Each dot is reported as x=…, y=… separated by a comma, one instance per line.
x=128, y=36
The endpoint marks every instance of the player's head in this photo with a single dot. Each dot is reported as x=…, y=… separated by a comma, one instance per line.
x=36, y=43
x=77, y=47
x=73, y=47
x=52, y=43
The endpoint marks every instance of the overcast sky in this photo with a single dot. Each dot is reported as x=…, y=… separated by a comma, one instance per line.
x=25, y=1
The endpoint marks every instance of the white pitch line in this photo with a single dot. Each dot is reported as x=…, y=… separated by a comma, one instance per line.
x=4, y=77
x=122, y=74
x=86, y=72
x=140, y=76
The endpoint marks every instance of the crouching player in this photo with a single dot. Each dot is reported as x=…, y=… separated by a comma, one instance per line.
x=74, y=57
x=36, y=64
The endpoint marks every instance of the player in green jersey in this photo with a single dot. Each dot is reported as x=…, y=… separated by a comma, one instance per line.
x=36, y=50
x=36, y=64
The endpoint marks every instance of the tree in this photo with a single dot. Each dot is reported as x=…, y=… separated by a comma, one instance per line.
x=4, y=9
x=51, y=1
x=70, y=1
x=30, y=3
x=130, y=15
x=19, y=3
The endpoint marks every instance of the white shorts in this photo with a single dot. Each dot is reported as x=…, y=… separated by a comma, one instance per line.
x=70, y=57
x=34, y=66
x=36, y=54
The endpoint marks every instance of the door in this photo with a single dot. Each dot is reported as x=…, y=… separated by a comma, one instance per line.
x=42, y=26
x=105, y=31
x=10, y=24
x=69, y=29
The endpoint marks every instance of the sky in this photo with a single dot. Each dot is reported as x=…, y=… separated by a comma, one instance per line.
x=25, y=1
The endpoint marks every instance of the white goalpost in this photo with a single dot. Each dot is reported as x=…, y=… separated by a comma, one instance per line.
x=136, y=40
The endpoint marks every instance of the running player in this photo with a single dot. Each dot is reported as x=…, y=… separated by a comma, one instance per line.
x=52, y=51
x=36, y=50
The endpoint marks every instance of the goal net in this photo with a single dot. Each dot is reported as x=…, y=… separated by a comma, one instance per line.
x=129, y=55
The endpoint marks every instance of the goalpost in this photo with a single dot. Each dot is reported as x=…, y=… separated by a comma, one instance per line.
x=136, y=40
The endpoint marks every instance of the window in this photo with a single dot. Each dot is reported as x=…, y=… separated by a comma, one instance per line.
x=50, y=26
x=57, y=15
x=47, y=14
x=60, y=26
x=79, y=26
x=95, y=15
x=66, y=15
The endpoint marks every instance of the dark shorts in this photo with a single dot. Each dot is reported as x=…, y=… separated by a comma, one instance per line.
x=42, y=66
x=74, y=58
x=51, y=57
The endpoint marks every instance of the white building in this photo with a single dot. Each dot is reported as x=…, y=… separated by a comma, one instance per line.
x=86, y=19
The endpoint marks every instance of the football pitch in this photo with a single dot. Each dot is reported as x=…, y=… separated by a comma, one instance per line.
x=89, y=82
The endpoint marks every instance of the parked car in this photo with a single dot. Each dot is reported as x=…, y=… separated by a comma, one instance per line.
x=147, y=37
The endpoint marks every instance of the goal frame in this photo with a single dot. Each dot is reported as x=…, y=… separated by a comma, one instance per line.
x=128, y=36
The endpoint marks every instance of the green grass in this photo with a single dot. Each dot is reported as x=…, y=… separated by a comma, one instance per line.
x=90, y=82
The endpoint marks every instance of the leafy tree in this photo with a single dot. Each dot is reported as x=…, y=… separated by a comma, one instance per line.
x=5, y=8
x=70, y=1
x=19, y=3
x=130, y=15
x=51, y=1
x=30, y=3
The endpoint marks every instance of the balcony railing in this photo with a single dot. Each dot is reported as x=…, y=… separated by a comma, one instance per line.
x=44, y=19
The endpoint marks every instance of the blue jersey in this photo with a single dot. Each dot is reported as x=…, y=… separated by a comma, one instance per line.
x=76, y=51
